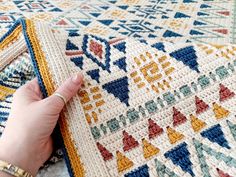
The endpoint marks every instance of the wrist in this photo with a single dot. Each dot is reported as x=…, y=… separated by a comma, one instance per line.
x=19, y=156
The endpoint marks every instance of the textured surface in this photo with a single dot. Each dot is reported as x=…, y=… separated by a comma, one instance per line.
x=150, y=22
x=155, y=111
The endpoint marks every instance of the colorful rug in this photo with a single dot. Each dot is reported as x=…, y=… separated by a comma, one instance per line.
x=158, y=98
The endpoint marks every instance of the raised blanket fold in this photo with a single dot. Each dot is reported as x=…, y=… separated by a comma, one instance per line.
x=147, y=108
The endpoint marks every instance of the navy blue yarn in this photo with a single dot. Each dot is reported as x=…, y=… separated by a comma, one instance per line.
x=94, y=74
x=85, y=23
x=42, y=86
x=159, y=46
x=89, y=55
x=181, y=15
x=71, y=46
x=95, y=14
x=195, y=32
x=188, y=56
x=180, y=156
x=17, y=23
x=119, y=88
x=204, y=6
x=121, y=47
x=169, y=33
x=189, y=1
x=202, y=14
x=34, y=61
x=3, y=116
x=198, y=23
x=6, y=85
x=123, y=7
x=56, y=10
x=121, y=63
x=78, y=61
x=73, y=33
x=140, y=172
x=106, y=22
x=216, y=135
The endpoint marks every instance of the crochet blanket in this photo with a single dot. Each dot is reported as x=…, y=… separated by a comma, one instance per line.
x=153, y=104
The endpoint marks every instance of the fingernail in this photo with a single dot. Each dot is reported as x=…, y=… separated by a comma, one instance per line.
x=77, y=79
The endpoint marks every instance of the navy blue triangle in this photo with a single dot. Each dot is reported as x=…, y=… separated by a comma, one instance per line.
x=157, y=27
x=202, y=14
x=113, y=2
x=139, y=172
x=132, y=11
x=18, y=2
x=194, y=32
x=124, y=21
x=152, y=35
x=143, y=41
x=106, y=22
x=164, y=17
x=189, y=1
x=121, y=63
x=204, y=6
x=120, y=46
x=123, y=7
x=95, y=14
x=78, y=61
x=159, y=46
x=188, y=56
x=85, y=23
x=181, y=15
x=137, y=36
x=169, y=33
x=94, y=74
x=180, y=156
x=55, y=10
x=104, y=7
x=71, y=46
x=198, y=23
x=152, y=17
x=115, y=28
x=119, y=88
x=216, y=135
x=125, y=33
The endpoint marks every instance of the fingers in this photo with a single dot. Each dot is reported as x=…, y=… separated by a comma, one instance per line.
x=28, y=93
x=65, y=92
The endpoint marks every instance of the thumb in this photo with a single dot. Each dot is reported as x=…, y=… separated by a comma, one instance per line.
x=67, y=90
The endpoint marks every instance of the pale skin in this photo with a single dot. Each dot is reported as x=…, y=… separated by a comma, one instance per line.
x=26, y=141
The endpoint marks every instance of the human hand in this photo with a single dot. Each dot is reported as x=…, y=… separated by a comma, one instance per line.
x=26, y=141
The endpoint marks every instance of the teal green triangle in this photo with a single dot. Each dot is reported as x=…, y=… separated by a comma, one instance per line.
x=220, y=157
x=163, y=171
x=232, y=128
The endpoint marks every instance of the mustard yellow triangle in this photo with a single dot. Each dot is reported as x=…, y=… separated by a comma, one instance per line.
x=173, y=135
x=196, y=123
x=219, y=111
x=123, y=163
x=149, y=150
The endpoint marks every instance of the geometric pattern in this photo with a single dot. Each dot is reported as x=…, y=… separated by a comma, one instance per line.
x=137, y=126
x=36, y=6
